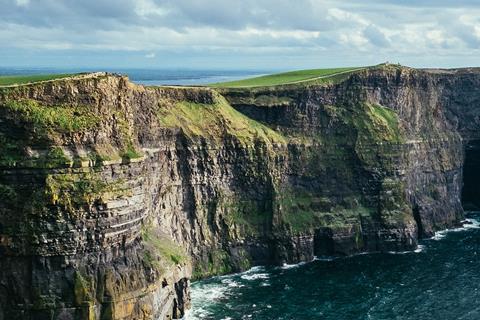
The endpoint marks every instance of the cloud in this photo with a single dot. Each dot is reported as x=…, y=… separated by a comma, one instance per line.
x=22, y=3
x=230, y=27
x=427, y=3
x=150, y=55
x=376, y=36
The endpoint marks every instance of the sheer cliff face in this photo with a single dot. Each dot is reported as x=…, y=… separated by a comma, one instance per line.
x=114, y=195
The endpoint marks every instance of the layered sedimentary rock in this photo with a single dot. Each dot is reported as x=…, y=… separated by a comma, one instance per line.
x=113, y=195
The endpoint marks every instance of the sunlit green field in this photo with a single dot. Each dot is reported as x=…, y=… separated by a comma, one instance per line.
x=287, y=78
x=23, y=79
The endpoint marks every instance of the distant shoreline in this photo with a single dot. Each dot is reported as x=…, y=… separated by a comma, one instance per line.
x=150, y=77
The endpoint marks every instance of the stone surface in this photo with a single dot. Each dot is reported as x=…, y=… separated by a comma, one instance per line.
x=113, y=196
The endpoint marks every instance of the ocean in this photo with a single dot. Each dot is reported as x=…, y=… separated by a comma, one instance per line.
x=151, y=76
x=439, y=280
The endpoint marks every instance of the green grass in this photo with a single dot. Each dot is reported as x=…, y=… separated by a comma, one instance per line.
x=377, y=124
x=214, y=121
x=286, y=78
x=24, y=79
x=160, y=251
x=74, y=191
x=62, y=118
x=303, y=211
x=131, y=152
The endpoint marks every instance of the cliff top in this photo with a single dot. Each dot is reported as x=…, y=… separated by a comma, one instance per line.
x=298, y=78
x=19, y=80
x=292, y=77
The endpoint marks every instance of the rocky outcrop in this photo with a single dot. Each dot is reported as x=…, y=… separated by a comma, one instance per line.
x=113, y=196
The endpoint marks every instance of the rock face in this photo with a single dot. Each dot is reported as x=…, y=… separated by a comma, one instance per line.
x=113, y=196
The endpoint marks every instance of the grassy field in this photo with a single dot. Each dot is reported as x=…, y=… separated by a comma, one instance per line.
x=286, y=78
x=23, y=79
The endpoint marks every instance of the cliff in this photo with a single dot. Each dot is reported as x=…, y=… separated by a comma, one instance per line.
x=113, y=195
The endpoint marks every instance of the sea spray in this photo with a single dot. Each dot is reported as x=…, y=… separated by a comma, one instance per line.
x=417, y=284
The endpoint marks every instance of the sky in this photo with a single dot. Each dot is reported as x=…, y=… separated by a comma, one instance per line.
x=239, y=34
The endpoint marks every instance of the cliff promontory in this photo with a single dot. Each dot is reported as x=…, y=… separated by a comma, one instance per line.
x=113, y=196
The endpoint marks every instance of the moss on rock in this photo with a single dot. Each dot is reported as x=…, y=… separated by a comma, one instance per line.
x=303, y=211
x=214, y=121
x=54, y=118
x=218, y=262
x=82, y=289
x=72, y=191
x=160, y=252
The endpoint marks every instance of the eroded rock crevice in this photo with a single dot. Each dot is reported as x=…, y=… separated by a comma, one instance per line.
x=471, y=176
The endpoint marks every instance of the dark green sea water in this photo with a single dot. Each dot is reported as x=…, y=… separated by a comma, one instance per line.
x=439, y=280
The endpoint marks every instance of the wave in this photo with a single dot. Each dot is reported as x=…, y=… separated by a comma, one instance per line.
x=232, y=283
x=255, y=276
x=420, y=248
x=206, y=294
x=287, y=266
x=467, y=224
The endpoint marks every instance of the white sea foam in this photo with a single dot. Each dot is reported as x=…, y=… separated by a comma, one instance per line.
x=468, y=224
x=439, y=235
x=255, y=269
x=196, y=314
x=471, y=224
x=420, y=248
x=207, y=294
x=232, y=283
x=399, y=252
x=249, y=271
x=291, y=266
x=210, y=292
x=323, y=258
x=255, y=276
x=254, y=273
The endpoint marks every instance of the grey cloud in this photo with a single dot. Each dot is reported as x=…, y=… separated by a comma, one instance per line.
x=466, y=33
x=179, y=14
x=70, y=14
x=236, y=15
x=391, y=26
x=426, y=3
x=375, y=36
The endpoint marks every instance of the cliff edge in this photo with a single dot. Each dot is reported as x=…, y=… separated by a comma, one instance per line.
x=114, y=195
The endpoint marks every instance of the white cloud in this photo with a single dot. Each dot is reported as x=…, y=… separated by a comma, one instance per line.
x=237, y=28
x=22, y=3
x=149, y=8
x=346, y=16
x=353, y=39
x=436, y=37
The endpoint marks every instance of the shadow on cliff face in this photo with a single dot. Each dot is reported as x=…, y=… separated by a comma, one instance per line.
x=471, y=176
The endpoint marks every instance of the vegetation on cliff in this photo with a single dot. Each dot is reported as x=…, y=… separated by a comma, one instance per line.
x=160, y=252
x=285, y=78
x=303, y=211
x=75, y=191
x=25, y=79
x=214, y=121
x=373, y=123
x=37, y=132
x=307, y=168
x=54, y=118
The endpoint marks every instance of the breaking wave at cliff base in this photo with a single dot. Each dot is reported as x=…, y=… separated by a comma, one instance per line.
x=430, y=282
